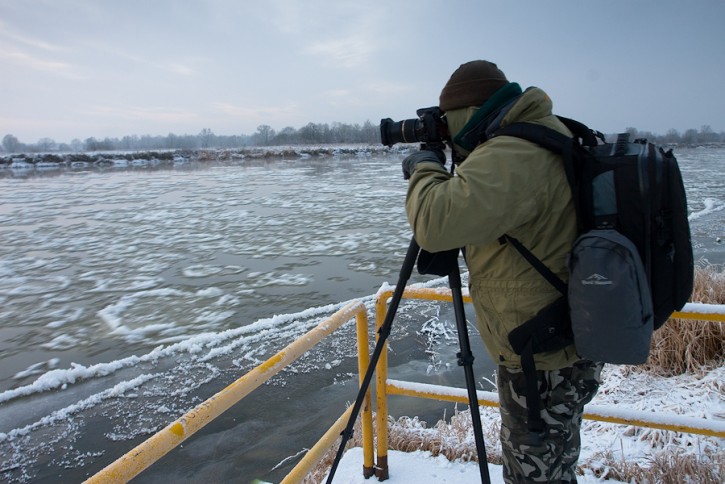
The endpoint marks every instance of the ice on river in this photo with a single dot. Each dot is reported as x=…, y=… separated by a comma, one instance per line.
x=129, y=296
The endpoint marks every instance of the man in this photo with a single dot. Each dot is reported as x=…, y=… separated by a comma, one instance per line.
x=506, y=185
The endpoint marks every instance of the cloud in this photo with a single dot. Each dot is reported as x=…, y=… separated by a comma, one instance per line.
x=159, y=114
x=289, y=18
x=352, y=51
x=62, y=69
x=342, y=34
x=256, y=112
x=365, y=93
x=34, y=53
x=17, y=124
x=28, y=41
x=385, y=88
x=181, y=69
x=122, y=52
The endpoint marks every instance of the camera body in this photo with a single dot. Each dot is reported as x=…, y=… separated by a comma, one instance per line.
x=429, y=127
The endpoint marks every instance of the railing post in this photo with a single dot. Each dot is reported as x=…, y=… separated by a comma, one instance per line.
x=152, y=449
x=363, y=360
x=381, y=394
x=317, y=452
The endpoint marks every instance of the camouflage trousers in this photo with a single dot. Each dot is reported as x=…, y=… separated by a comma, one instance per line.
x=552, y=457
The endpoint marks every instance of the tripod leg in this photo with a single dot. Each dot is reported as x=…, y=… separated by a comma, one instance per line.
x=465, y=359
x=405, y=272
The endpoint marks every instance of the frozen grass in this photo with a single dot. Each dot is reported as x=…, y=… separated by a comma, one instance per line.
x=687, y=345
x=685, y=365
x=673, y=467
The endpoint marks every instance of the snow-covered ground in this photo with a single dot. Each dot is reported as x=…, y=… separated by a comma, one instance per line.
x=129, y=296
x=423, y=468
x=700, y=396
x=696, y=399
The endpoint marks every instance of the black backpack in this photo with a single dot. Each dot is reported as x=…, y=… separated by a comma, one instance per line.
x=631, y=266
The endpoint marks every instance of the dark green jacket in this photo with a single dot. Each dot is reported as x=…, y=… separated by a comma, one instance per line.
x=505, y=186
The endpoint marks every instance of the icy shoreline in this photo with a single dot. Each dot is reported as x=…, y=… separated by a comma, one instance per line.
x=171, y=157
x=606, y=447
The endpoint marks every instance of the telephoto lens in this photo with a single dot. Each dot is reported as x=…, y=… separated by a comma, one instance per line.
x=405, y=131
x=428, y=127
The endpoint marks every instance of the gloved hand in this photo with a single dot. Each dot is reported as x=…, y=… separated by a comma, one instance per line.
x=411, y=161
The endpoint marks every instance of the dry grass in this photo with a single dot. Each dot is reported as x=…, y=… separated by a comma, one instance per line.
x=318, y=473
x=664, y=468
x=680, y=346
x=454, y=440
x=686, y=345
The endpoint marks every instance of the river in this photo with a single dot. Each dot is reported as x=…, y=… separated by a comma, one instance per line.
x=128, y=296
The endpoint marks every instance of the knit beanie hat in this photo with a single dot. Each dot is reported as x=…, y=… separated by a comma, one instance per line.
x=471, y=85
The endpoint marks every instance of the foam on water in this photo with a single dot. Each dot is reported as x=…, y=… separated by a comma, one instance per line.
x=710, y=206
x=127, y=297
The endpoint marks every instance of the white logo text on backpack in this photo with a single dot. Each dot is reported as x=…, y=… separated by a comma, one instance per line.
x=596, y=280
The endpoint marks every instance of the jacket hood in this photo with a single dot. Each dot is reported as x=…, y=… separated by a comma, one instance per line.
x=471, y=126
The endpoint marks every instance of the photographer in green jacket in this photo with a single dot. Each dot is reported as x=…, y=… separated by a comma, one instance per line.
x=507, y=185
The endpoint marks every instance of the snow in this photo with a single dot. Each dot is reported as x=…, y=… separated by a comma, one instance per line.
x=711, y=205
x=704, y=308
x=212, y=343
x=447, y=391
x=423, y=468
x=135, y=265
x=658, y=418
x=419, y=467
x=681, y=400
x=64, y=413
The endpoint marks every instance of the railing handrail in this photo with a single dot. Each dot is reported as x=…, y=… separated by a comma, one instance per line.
x=698, y=311
x=692, y=310
x=602, y=413
x=142, y=456
x=152, y=449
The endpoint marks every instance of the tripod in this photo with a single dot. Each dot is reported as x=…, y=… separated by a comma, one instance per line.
x=465, y=357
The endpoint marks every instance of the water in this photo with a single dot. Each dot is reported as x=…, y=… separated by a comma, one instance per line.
x=129, y=296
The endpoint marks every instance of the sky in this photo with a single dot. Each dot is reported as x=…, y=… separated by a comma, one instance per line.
x=74, y=69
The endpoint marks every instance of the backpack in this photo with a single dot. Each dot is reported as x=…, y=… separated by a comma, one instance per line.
x=631, y=265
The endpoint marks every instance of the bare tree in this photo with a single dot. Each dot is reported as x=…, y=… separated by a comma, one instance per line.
x=46, y=144
x=10, y=143
x=206, y=137
x=264, y=134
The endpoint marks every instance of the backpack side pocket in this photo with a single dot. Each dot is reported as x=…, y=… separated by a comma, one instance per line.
x=609, y=299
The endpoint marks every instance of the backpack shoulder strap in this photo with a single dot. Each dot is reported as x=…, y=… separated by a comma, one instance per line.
x=586, y=136
x=543, y=136
x=559, y=144
x=540, y=267
x=553, y=141
x=571, y=150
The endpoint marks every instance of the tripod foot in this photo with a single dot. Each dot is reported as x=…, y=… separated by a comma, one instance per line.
x=381, y=469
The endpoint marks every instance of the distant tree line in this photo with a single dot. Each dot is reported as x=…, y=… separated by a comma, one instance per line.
x=691, y=137
x=311, y=133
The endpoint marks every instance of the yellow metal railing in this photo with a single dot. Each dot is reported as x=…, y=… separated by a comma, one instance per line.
x=145, y=454
x=142, y=456
x=385, y=386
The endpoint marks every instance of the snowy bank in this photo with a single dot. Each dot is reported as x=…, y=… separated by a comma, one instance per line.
x=170, y=157
x=606, y=448
x=425, y=468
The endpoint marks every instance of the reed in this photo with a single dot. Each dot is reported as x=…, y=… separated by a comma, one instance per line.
x=667, y=467
x=687, y=345
x=680, y=346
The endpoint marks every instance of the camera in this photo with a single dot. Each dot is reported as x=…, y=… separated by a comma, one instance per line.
x=429, y=127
